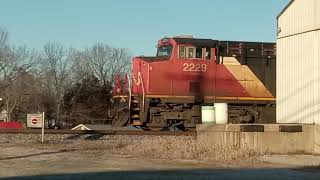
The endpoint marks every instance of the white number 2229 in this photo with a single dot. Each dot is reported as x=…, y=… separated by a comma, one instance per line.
x=194, y=67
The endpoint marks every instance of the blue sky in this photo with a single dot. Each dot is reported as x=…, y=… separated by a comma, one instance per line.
x=136, y=24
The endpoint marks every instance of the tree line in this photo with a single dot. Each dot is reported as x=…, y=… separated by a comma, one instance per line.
x=58, y=80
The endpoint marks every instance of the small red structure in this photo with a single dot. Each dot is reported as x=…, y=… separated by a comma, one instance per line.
x=10, y=125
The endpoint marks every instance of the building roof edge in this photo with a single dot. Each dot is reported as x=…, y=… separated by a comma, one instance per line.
x=285, y=8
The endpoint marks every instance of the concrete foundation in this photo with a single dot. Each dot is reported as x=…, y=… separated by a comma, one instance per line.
x=264, y=138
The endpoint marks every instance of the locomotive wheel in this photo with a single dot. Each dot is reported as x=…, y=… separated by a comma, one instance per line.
x=176, y=127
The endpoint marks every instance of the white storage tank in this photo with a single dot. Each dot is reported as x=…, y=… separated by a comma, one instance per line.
x=221, y=113
x=208, y=115
x=298, y=63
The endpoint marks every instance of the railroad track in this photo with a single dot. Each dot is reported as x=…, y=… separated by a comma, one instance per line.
x=104, y=132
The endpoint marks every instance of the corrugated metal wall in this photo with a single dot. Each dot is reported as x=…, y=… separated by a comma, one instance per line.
x=317, y=74
x=295, y=91
x=298, y=93
x=299, y=17
x=317, y=13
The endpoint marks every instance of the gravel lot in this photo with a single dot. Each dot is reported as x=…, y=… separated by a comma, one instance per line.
x=140, y=157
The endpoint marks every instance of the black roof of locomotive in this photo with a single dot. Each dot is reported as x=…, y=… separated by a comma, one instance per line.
x=197, y=42
x=214, y=43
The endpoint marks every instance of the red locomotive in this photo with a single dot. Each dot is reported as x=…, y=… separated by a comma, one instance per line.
x=187, y=73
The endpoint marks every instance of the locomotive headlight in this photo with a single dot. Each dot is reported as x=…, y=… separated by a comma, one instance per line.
x=118, y=90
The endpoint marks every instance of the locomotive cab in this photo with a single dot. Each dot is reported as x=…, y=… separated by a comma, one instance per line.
x=182, y=48
x=179, y=48
x=178, y=69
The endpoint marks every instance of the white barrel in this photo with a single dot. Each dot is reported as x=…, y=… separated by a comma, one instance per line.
x=208, y=115
x=221, y=110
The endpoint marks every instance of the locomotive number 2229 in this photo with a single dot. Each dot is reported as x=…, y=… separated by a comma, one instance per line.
x=194, y=67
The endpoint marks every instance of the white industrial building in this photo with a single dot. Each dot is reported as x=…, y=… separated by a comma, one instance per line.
x=298, y=63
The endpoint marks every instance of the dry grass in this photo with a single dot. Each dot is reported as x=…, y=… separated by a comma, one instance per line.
x=190, y=150
x=167, y=148
x=152, y=147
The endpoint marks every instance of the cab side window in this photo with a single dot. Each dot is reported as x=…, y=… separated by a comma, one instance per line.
x=199, y=52
x=191, y=53
x=208, y=53
x=182, y=52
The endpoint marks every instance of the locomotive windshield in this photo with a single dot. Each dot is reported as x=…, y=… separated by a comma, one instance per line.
x=164, y=51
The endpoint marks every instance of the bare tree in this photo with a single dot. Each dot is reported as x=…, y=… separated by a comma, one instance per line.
x=99, y=62
x=48, y=77
x=4, y=59
x=103, y=62
x=19, y=91
x=56, y=68
x=3, y=38
x=14, y=63
x=12, y=68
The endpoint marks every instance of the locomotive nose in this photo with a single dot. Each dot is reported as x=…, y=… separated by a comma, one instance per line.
x=136, y=65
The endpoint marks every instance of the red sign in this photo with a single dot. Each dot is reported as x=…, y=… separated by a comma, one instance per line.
x=34, y=121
